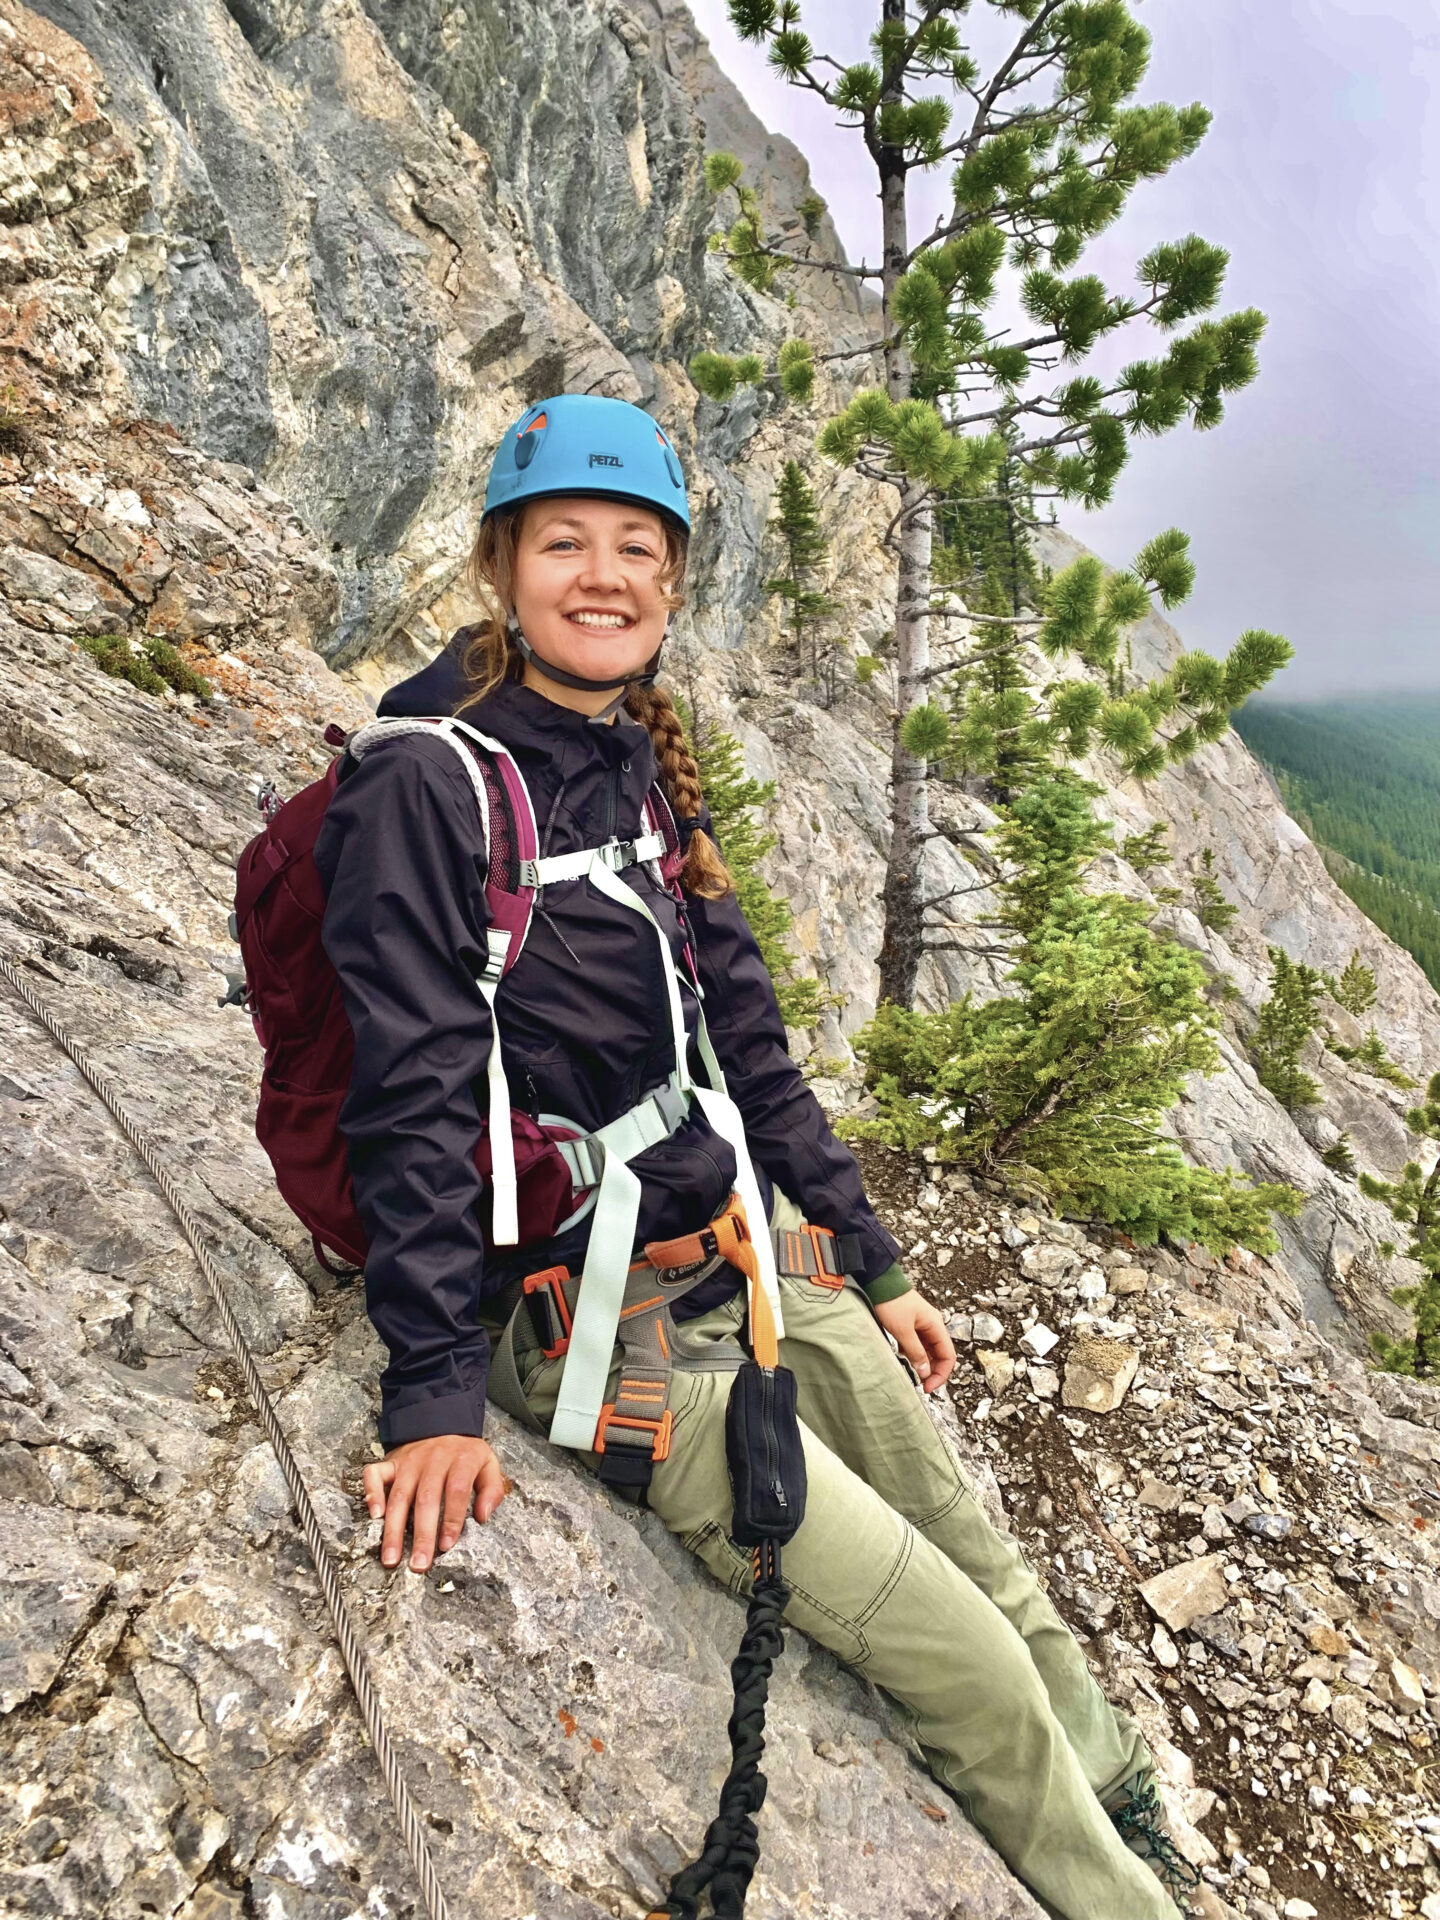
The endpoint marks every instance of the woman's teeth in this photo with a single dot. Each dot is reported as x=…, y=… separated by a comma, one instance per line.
x=599, y=619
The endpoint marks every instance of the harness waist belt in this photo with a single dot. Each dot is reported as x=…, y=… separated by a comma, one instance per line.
x=806, y=1253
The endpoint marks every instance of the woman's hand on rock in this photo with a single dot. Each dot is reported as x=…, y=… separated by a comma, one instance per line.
x=919, y=1329
x=442, y=1479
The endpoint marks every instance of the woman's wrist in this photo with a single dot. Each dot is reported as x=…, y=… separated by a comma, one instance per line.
x=887, y=1286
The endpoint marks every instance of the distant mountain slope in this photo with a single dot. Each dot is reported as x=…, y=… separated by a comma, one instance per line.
x=1363, y=775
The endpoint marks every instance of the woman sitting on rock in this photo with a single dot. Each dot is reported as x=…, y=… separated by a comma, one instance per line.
x=894, y=1567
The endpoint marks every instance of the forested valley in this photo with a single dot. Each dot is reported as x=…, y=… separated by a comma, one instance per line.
x=1362, y=775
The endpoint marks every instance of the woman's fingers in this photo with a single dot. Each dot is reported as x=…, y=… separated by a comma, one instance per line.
x=942, y=1349
x=397, y=1511
x=458, y=1483
x=913, y=1349
x=376, y=1478
x=429, y=1485
x=492, y=1489
x=426, y=1518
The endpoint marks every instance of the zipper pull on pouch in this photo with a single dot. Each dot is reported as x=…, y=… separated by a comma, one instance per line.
x=765, y=1456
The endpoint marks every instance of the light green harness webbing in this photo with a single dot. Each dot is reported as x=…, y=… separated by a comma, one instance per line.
x=617, y=1205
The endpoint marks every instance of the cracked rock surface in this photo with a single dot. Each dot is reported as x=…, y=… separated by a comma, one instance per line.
x=215, y=224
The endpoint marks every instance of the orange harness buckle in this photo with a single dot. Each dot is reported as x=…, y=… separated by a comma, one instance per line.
x=660, y=1450
x=550, y=1284
x=809, y=1253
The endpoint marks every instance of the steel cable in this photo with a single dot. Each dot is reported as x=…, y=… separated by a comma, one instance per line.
x=351, y=1650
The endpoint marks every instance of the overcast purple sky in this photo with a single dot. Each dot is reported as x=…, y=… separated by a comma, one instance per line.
x=1314, y=509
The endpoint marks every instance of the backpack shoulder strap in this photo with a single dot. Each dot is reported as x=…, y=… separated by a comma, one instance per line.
x=507, y=817
x=660, y=817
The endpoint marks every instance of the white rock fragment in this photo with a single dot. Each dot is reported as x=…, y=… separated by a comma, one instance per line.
x=1038, y=1341
x=1159, y=1494
x=1407, y=1691
x=1350, y=1715
x=998, y=1369
x=1317, y=1698
x=1048, y=1264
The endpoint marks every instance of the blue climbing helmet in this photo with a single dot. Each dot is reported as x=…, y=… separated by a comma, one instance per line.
x=581, y=443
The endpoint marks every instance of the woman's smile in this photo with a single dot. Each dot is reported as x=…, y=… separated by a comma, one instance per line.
x=611, y=621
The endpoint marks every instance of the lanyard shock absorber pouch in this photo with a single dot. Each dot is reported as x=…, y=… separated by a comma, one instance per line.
x=766, y=1461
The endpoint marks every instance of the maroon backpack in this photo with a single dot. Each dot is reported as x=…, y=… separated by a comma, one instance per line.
x=533, y=1186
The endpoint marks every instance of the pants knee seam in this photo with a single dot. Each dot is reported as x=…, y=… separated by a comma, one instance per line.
x=943, y=1511
x=841, y=1621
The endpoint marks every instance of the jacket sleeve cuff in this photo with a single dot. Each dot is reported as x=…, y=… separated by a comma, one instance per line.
x=426, y=1419
x=887, y=1286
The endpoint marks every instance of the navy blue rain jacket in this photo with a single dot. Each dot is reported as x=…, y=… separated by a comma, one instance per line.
x=583, y=1025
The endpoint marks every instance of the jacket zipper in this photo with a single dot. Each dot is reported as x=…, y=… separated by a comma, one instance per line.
x=772, y=1444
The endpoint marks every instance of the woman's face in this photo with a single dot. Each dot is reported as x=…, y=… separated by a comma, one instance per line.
x=587, y=589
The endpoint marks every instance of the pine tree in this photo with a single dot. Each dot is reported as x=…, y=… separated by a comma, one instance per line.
x=1148, y=849
x=1371, y=1057
x=1062, y=1084
x=1355, y=989
x=1414, y=1199
x=1212, y=909
x=1287, y=1019
x=733, y=799
x=796, y=523
x=1048, y=147
x=1340, y=1156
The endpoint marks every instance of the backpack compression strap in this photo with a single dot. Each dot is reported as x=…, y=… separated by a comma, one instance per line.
x=502, y=950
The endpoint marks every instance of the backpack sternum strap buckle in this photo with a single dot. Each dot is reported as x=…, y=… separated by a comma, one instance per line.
x=614, y=854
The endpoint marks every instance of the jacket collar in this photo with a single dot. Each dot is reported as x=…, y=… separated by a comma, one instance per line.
x=520, y=718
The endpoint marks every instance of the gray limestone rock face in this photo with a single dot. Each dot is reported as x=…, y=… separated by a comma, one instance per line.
x=49, y=1588
x=282, y=273
x=180, y=1737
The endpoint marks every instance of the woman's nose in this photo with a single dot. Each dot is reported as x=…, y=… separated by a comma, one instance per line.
x=602, y=572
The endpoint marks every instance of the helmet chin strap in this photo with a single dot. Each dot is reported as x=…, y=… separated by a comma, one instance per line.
x=645, y=678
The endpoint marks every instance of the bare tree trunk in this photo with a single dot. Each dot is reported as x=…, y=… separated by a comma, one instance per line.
x=901, y=946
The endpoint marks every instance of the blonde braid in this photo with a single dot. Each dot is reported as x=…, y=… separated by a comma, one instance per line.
x=704, y=874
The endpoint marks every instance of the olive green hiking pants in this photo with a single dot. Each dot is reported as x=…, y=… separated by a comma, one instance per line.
x=897, y=1571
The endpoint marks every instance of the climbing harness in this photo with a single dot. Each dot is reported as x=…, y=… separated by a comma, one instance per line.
x=351, y=1650
x=632, y=1432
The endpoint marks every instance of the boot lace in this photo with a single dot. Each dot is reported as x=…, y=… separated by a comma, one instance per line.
x=1141, y=1817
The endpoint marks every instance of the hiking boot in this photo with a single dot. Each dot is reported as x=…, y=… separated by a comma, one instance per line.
x=1138, y=1815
